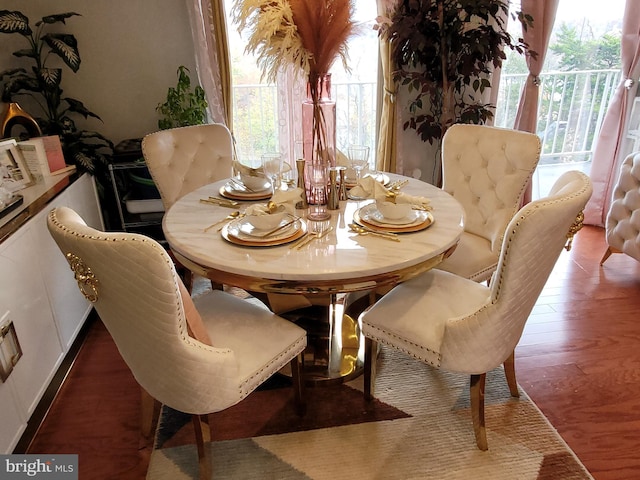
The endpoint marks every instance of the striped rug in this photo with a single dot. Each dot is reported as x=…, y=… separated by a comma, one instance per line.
x=419, y=427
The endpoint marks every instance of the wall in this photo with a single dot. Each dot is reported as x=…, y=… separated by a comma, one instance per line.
x=130, y=51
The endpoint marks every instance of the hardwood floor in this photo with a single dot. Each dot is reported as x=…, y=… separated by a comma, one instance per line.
x=579, y=360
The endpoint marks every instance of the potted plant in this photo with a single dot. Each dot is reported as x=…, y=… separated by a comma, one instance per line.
x=444, y=52
x=183, y=106
x=87, y=150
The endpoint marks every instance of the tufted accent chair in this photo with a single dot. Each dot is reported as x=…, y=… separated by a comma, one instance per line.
x=623, y=219
x=463, y=326
x=487, y=170
x=135, y=290
x=186, y=158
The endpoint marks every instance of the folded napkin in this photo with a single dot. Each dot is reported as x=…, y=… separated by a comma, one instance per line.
x=369, y=187
x=246, y=170
x=284, y=198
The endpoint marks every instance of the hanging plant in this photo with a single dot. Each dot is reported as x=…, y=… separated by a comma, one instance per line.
x=444, y=52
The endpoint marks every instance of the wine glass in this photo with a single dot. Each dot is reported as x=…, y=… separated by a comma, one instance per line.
x=272, y=167
x=358, y=159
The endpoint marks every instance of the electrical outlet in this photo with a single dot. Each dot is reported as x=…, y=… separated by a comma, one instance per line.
x=10, y=351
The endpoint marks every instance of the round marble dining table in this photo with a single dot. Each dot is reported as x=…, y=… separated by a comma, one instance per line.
x=342, y=262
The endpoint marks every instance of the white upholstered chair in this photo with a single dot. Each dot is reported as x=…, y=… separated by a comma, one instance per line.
x=186, y=158
x=463, y=326
x=487, y=170
x=196, y=356
x=623, y=218
x=183, y=159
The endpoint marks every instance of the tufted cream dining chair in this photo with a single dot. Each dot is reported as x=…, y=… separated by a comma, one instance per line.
x=186, y=158
x=487, y=170
x=183, y=159
x=623, y=218
x=197, y=356
x=463, y=326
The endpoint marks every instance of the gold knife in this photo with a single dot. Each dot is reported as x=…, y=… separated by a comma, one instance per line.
x=314, y=236
x=219, y=201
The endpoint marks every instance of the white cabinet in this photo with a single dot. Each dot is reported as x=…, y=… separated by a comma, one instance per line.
x=38, y=289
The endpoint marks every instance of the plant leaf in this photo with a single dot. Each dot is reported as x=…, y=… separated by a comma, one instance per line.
x=66, y=47
x=51, y=77
x=18, y=83
x=78, y=107
x=14, y=22
x=59, y=17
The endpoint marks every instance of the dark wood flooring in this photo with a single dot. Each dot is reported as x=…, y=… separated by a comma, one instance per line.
x=579, y=360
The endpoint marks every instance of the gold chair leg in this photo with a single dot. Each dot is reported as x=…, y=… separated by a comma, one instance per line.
x=370, y=354
x=203, y=437
x=297, y=377
x=510, y=373
x=476, y=393
x=608, y=253
x=149, y=415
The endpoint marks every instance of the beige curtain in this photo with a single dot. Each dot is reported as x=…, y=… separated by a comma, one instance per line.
x=544, y=14
x=386, y=155
x=209, y=31
x=607, y=155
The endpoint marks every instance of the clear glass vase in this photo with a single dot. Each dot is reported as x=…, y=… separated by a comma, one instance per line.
x=319, y=143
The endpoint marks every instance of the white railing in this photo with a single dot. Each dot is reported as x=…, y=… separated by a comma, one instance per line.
x=255, y=117
x=571, y=110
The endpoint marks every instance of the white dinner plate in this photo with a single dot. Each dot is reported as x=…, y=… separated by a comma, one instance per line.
x=370, y=213
x=241, y=232
x=228, y=190
x=370, y=216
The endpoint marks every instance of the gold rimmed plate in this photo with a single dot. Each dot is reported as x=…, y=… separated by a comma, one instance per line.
x=241, y=232
x=370, y=216
x=228, y=190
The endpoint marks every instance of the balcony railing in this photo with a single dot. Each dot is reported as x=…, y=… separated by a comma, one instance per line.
x=571, y=110
x=256, y=107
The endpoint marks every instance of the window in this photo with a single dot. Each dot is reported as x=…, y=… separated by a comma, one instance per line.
x=580, y=74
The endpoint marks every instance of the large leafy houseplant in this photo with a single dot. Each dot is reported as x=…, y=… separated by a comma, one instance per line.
x=87, y=150
x=444, y=52
x=183, y=105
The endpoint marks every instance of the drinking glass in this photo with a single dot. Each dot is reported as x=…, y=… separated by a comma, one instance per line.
x=272, y=167
x=358, y=158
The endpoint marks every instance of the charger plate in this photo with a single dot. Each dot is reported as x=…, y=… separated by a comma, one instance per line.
x=370, y=216
x=241, y=232
x=229, y=191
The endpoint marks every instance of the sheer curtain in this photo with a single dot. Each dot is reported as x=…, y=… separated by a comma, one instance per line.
x=607, y=155
x=209, y=31
x=544, y=14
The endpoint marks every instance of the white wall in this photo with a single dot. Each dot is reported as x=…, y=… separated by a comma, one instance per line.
x=130, y=51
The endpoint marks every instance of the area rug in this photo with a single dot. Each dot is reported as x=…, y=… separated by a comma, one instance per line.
x=419, y=427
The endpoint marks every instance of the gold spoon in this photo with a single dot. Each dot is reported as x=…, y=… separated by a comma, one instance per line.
x=363, y=231
x=231, y=216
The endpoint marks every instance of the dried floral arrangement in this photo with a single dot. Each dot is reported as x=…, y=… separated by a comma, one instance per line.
x=306, y=35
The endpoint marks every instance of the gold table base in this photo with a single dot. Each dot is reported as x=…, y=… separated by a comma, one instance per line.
x=335, y=345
